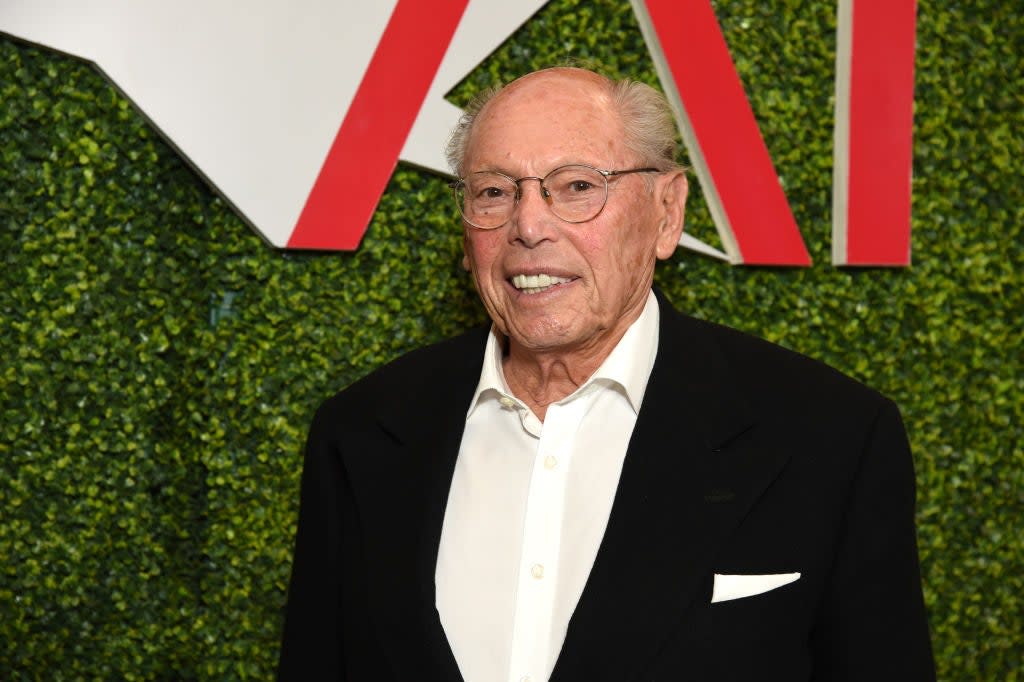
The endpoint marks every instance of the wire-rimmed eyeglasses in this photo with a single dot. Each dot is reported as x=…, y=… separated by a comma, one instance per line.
x=575, y=193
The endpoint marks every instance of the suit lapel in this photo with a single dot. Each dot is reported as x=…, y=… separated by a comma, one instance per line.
x=689, y=477
x=403, y=528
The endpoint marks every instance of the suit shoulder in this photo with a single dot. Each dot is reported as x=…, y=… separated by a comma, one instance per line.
x=770, y=369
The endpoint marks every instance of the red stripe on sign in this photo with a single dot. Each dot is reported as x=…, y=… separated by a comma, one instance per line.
x=727, y=136
x=881, y=133
x=365, y=151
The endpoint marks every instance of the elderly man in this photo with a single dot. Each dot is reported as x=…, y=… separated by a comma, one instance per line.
x=598, y=487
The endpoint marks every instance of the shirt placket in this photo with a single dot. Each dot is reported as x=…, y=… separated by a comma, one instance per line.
x=542, y=526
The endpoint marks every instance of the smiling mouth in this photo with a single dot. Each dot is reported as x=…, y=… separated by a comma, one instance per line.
x=535, y=284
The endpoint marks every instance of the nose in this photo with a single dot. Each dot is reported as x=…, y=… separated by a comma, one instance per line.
x=532, y=221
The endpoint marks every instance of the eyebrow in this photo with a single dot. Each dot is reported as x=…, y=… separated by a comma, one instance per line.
x=560, y=164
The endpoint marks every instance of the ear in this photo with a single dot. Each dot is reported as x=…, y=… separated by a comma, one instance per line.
x=465, y=256
x=670, y=193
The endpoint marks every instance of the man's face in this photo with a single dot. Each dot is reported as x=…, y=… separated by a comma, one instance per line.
x=604, y=267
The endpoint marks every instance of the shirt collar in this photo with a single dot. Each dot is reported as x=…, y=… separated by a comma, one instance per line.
x=628, y=366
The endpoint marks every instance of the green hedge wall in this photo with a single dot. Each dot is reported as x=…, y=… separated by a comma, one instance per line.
x=159, y=363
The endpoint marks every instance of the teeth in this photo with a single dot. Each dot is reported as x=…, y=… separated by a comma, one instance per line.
x=532, y=284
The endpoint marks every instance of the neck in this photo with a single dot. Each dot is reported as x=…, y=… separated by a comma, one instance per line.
x=540, y=380
x=542, y=377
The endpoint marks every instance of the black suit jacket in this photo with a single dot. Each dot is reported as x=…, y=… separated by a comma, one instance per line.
x=745, y=459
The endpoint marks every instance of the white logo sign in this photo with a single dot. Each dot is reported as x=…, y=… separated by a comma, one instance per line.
x=297, y=113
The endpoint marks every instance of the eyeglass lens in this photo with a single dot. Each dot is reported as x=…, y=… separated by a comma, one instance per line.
x=574, y=193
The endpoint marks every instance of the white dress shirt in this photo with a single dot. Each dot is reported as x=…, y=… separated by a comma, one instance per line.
x=528, y=507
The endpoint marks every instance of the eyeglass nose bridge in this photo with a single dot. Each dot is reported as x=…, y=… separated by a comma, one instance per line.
x=545, y=193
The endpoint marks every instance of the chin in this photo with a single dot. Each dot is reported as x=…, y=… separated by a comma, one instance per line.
x=546, y=339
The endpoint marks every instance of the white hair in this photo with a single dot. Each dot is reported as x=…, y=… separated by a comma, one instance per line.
x=650, y=130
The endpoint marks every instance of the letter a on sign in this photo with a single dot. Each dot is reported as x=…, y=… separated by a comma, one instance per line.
x=739, y=182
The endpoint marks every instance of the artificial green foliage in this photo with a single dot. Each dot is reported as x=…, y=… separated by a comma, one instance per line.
x=159, y=363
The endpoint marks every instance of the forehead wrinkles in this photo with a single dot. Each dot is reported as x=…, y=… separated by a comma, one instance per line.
x=564, y=115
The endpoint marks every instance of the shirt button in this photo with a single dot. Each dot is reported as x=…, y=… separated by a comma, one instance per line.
x=524, y=678
x=506, y=401
x=550, y=462
x=537, y=571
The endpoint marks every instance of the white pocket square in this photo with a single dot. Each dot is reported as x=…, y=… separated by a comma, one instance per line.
x=738, y=586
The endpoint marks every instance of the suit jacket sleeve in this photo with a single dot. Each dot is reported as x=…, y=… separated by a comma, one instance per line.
x=311, y=645
x=872, y=623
